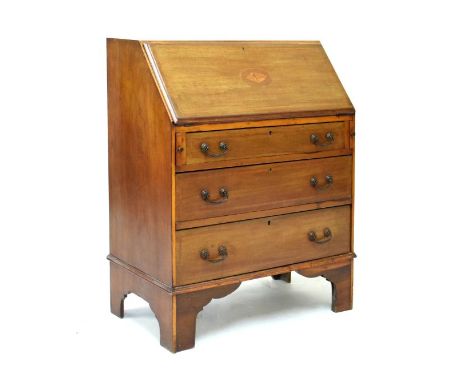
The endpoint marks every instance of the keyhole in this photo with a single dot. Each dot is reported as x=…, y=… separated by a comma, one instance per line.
x=270, y=132
x=269, y=222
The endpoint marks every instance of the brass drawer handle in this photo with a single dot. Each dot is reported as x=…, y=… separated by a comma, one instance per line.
x=315, y=183
x=223, y=196
x=222, y=254
x=329, y=138
x=327, y=236
x=205, y=149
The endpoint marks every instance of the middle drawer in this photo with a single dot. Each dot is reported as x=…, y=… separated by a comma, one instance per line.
x=213, y=193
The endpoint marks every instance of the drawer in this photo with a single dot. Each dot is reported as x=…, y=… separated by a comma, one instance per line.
x=213, y=193
x=244, y=144
x=223, y=250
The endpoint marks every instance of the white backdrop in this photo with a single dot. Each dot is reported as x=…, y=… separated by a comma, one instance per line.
x=404, y=65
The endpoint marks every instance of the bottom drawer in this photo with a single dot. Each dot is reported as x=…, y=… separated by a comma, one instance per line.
x=223, y=250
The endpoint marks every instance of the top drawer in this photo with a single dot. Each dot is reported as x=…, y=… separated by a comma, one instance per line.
x=255, y=145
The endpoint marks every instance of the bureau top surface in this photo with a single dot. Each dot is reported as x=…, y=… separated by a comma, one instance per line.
x=209, y=82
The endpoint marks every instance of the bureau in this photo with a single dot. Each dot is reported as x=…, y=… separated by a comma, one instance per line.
x=228, y=161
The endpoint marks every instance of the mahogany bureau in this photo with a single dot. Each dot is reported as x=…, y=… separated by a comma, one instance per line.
x=228, y=161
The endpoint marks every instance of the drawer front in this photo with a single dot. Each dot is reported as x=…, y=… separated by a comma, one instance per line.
x=233, y=145
x=230, y=191
x=223, y=250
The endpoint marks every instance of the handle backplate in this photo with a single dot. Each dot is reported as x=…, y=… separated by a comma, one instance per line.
x=223, y=196
x=222, y=254
x=223, y=148
x=314, y=182
x=327, y=236
x=329, y=138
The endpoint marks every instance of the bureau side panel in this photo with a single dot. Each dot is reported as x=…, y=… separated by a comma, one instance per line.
x=351, y=145
x=140, y=164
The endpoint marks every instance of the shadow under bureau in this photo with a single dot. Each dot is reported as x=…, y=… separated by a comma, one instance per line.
x=228, y=161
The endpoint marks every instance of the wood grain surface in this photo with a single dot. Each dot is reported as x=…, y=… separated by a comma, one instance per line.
x=261, y=187
x=264, y=100
x=176, y=314
x=262, y=142
x=140, y=163
x=260, y=243
x=263, y=123
x=261, y=214
x=228, y=81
